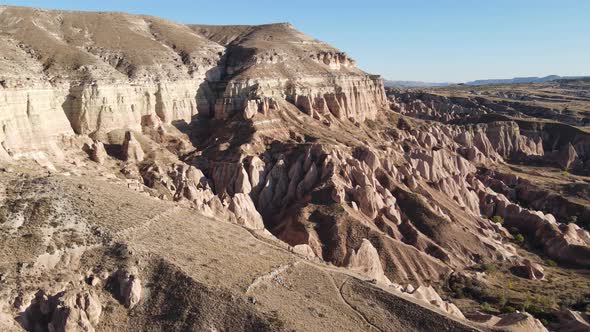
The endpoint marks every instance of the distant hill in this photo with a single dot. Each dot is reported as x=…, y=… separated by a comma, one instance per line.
x=521, y=80
x=414, y=84
x=515, y=80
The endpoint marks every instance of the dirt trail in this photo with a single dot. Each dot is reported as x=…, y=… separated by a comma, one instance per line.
x=360, y=314
x=129, y=232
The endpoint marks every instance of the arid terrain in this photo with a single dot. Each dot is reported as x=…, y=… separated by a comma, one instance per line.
x=158, y=176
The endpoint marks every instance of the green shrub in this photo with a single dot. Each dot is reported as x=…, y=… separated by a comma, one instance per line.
x=335, y=209
x=519, y=238
x=550, y=263
x=488, y=267
x=535, y=310
x=508, y=309
x=486, y=307
x=497, y=220
x=502, y=300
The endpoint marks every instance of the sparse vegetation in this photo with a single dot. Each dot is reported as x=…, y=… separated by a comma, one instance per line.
x=508, y=309
x=486, y=307
x=275, y=320
x=497, y=220
x=550, y=263
x=334, y=209
x=502, y=299
x=488, y=267
x=371, y=123
x=519, y=238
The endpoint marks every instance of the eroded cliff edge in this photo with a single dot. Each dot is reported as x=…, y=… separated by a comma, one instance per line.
x=87, y=73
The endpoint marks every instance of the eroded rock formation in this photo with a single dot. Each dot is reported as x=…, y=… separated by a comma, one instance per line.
x=127, y=285
x=65, y=311
x=366, y=261
x=275, y=131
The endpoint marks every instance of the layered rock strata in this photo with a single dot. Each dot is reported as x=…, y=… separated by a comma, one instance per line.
x=181, y=72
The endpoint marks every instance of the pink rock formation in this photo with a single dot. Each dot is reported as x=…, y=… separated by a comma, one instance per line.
x=430, y=296
x=366, y=261
x=246, y=214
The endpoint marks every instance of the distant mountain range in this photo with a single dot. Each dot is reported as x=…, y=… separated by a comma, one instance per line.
x=414, y=84
x=420, y=84
x=517, y=80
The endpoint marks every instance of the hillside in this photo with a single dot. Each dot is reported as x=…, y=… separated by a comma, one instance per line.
x=164, y=176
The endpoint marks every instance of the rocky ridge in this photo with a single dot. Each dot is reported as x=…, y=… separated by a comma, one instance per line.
x=83, y=82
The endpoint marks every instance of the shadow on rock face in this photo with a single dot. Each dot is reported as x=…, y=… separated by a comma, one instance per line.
x=217, y=138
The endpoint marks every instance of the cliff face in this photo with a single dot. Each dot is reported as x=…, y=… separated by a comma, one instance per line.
x=344, y=97
x=80, y=72
x=277, y=61
x=92, y=108
x=31, y=120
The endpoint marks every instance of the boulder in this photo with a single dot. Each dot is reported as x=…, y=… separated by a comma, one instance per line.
x=529, y=270
x=338, y=194
x=520, y=322
x=98, y=153
x=569, y=320
x=368, y=156
x=246, y=214
x=250, y=109
x=128, y=286
x=304, y=250
x=131, y=148
x=482, y=318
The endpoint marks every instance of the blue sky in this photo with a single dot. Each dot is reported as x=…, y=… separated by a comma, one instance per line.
x=436, y=40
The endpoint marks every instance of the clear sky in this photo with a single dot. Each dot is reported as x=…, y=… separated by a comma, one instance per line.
x=436, y=40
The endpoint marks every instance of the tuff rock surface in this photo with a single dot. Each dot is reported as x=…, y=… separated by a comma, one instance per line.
x=278, y=133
